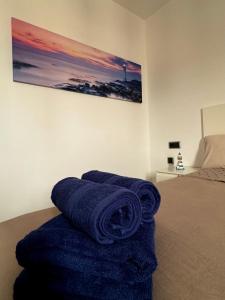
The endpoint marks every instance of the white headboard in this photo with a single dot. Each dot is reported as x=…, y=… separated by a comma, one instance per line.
x=213, y=120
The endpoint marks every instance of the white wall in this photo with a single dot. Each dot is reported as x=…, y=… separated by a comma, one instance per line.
x=49, y=134
x=186, y=69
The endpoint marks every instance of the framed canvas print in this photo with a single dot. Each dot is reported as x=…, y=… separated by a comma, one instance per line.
x=44, y=58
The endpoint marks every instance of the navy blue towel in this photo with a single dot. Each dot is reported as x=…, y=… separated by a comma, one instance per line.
x=66, y=285
x=31, y=285
x=146, y=191
x=105, y=212
x=58, y=245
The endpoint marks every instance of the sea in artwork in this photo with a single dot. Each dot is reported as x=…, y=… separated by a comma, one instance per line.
x=43, y=58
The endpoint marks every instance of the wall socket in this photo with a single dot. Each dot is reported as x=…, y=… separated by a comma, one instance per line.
x=174, y=145
x=170, y=160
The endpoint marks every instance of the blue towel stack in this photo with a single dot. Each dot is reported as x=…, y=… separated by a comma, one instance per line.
x=100, y=247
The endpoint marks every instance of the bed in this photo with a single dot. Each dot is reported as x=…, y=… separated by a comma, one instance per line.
x=190, y=231
x=190, y=240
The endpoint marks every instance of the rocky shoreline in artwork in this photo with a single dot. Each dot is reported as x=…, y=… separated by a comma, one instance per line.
x=125, y=90
x=118, y=89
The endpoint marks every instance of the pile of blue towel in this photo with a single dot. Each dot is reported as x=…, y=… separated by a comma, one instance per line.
x=101, y=247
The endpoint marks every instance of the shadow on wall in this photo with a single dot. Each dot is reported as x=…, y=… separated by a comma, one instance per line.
x=200, y=154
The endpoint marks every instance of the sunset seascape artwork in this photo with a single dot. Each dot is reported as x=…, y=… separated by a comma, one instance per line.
x=44, y=58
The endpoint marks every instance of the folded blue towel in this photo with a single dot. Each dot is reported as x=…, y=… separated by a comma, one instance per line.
x=57, y=244
x=68, y=285
x=36, y=286
x=105, y=212
x=146, y=191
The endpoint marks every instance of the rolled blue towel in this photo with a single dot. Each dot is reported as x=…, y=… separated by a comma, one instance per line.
x=105, y=212
x=145, y=190
x=57, y=245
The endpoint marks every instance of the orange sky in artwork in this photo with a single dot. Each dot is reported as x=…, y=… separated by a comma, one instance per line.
x=51, y=42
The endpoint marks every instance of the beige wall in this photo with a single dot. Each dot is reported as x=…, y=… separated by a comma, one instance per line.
x=48, y=134
x=186, y=69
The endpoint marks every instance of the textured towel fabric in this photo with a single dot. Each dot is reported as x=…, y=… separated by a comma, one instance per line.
x=145, y=190
x=105, y=212
x=57, y=244
x=66, y=285
x=36, y=286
